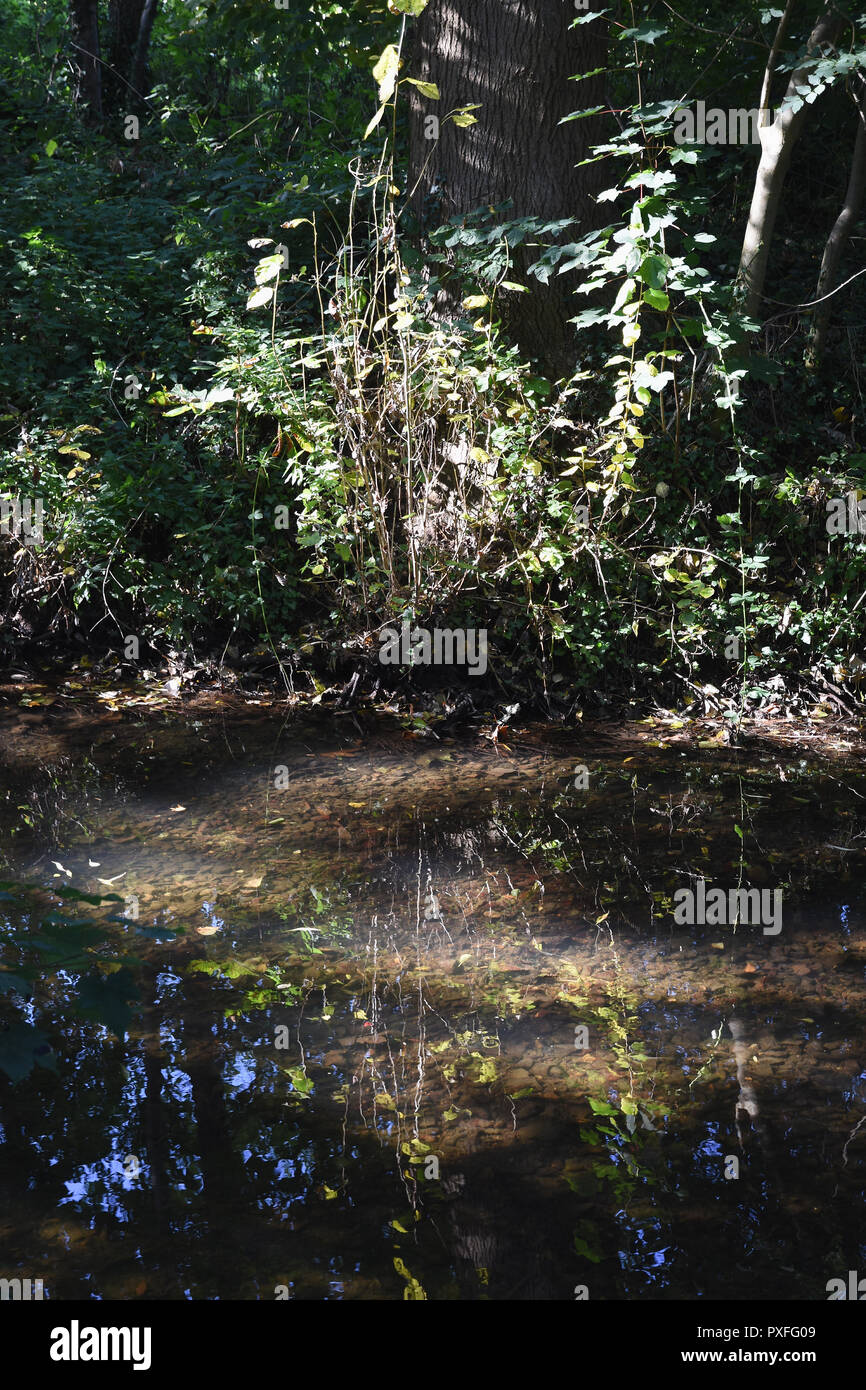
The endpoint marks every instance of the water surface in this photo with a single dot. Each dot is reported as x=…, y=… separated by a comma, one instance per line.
x=356, y=1070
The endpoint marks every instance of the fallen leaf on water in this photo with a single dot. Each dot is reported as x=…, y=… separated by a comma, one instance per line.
x=108, y=881
x=207, y=931
x=254, y=882
x=178, y=808
x=749, y=968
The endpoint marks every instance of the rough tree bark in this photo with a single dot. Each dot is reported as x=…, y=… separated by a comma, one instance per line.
x=84, y=31
x=777, y=146
x=515, y=58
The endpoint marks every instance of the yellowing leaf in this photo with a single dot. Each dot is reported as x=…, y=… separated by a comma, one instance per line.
x=427, y=89
x=385, y=72
x=375, y=121
x=260, y=296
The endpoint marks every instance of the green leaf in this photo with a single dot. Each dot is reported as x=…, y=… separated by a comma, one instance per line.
x=302, y=1083
x=653, y=271
x=585, y=1251
x=601, y=1107
x=413, y=7
x=427, y=89
x=656, y=299
x=643, y=33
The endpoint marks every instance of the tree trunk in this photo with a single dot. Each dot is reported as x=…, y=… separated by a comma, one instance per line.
x=124, y=21
x=836, y=243
x=515, y=58
x=777, y=146
x=84, y=29
x=139, y=79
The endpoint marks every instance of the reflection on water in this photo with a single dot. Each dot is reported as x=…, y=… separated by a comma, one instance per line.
x=430, y=1028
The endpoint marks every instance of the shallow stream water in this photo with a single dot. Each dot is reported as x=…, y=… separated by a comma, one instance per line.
x=415, y=1017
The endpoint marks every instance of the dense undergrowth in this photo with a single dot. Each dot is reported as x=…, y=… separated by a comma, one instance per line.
x=291, y=477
